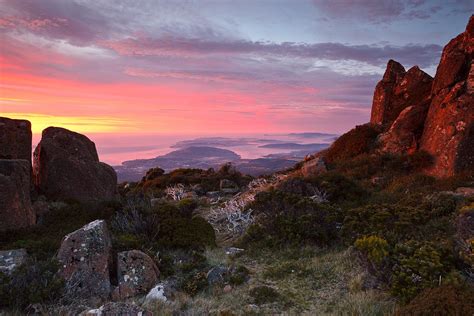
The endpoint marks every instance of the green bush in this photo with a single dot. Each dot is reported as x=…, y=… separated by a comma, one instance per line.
x=163, y=226
x=396, y=222
x=374, y=247
x=31, y=283
x=339, y=188
x=418, y=265
x=290, y=219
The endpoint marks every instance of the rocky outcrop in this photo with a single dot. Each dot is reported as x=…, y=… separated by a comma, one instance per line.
x=66, y=166
x=12, y=259
x=15, y=204
x=15, y=139
x=449, y=128
x=404, y=134
x=85, y=256
x=398, y=90
x=136, y=273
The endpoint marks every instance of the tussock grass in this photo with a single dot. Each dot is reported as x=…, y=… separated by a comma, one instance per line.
x=306, y=281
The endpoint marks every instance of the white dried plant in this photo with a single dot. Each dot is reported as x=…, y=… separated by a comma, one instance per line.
x=176, y=192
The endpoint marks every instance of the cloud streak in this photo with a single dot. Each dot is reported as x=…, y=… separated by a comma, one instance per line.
x=423, y=55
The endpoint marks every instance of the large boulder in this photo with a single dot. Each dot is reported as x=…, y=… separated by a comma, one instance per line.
x=449, y=127
x=85, y=257
x=15, y=204
x=397, y=90
x=66, y=166
x=15, y=139
x=136, y=273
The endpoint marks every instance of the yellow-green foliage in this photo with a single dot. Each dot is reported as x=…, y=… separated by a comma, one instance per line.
x=374, y=247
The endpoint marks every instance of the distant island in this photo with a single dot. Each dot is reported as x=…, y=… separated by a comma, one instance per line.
x=212, y=152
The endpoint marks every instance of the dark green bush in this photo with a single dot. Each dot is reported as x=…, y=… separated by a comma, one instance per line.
x=290, y=219
x=339, y=188
x=417, y=266
x=33, y=282
x=163, y=226
x=396, y=222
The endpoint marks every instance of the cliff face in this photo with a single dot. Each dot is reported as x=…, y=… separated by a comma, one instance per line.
x=449, y=127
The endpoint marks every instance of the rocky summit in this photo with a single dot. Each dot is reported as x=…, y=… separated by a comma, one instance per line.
x=66, y=166
x=418, y=113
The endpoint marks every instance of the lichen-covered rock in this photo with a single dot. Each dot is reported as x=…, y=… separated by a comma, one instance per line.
x=136, y=273
x=313, y=167
x=12, y=259
x=85, y=257
x=449, y=127
x=66, y=166
x=397, y=90
x=15, y=139
x=15, y=204
x=118, y=309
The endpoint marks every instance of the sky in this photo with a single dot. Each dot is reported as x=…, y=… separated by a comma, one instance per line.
x=210, y=67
